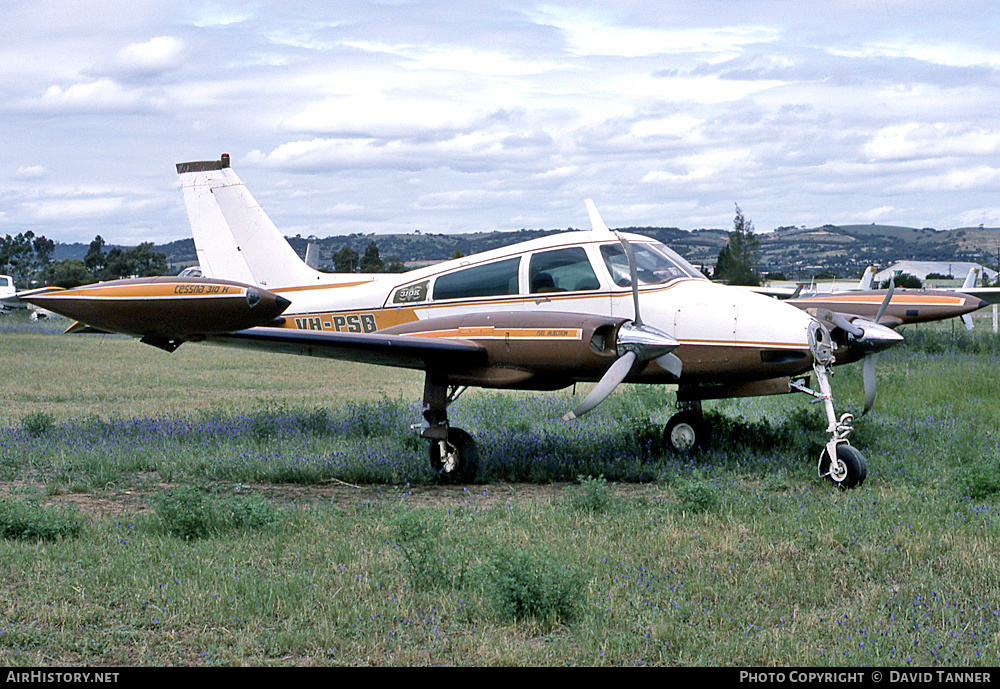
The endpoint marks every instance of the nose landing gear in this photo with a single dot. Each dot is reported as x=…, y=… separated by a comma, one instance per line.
x=841, y=463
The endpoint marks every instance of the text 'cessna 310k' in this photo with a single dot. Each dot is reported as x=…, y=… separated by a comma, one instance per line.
x=595, y=306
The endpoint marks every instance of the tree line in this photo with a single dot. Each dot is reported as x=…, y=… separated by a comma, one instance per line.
x=347, y=260
x=28, y=259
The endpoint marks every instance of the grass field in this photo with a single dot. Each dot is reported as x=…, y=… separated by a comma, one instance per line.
x=227, y=508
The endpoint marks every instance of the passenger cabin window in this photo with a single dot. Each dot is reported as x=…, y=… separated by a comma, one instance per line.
x=655, y=264
x=489, y=280
x=561, y=270
x=4, y=281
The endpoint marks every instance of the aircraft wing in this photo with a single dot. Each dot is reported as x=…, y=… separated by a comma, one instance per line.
x=402, y=351
x=17, y=301
x=778, y=291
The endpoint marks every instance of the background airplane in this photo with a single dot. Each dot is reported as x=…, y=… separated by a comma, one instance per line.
x=904, y=306
x=595, y=306
x=12, y=300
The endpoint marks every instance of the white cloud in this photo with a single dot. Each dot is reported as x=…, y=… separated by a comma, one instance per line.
x=588, y=34
x=666, y=111
x=949, y=53
x=212, y=15
x=675, y=126
x=155, y=55
x=921, y=140
x=75, y=209
x=101, y=94
x=980, y=177
x=31, y=171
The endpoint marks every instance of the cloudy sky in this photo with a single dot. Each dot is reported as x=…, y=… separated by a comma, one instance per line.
x=467, y=116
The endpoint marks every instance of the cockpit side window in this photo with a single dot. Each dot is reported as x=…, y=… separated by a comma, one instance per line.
x=655, y=264
x=488, y=280
x=4, y=281
x=561, y=270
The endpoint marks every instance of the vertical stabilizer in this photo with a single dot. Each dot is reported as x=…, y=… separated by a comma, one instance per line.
x=972, y=277
x=234, y=238
x=868, y=279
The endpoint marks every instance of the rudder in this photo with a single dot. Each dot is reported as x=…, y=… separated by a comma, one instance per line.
x=234, y=238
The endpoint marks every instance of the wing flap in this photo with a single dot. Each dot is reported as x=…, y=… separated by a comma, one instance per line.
x=400, y=351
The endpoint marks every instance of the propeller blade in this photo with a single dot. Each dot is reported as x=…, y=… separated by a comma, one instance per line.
x=967, y=320
x=634, y=275
x=614, y=375
x=671, y=363
x=885, y=302
x=868, y=376
x=841, y=322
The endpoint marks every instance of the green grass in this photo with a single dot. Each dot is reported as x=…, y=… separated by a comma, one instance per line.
x=227, y=532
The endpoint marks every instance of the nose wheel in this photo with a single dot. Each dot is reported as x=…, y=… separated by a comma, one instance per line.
x=847, y=470
x=839, y=461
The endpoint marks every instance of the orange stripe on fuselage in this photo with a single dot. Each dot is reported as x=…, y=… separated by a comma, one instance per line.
x=489, y=333
x=876, y=299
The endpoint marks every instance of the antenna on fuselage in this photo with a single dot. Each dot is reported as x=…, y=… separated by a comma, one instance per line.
x=596, y=223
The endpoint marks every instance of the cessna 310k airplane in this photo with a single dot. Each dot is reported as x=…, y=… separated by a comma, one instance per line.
x=595, y=306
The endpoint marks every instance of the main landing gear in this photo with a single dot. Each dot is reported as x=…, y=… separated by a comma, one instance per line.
x=686, y=431
x=453, y=454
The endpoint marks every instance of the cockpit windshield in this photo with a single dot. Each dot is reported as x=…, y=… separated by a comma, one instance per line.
x=655, y=264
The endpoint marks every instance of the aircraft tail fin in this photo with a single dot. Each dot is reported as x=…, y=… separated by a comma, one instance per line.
x=971, y=278
x=234, y=238
x=867, y=280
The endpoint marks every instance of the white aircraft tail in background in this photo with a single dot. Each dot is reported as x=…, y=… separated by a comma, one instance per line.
x=868, y=279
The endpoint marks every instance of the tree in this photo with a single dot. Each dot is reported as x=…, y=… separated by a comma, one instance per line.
x=136, y=261
x=345, y=260
x=903, y=280
x=68, y=273
x=370, y=262
x=24, y=256
x=394, y=264
x=737, y=262
x=95, y=259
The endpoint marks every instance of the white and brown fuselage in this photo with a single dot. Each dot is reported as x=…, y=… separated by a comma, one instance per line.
x=725, y=334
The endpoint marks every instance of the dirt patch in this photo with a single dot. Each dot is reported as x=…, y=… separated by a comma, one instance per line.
x=111, y=503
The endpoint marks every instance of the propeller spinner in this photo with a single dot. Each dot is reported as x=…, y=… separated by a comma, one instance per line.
x=869, y=337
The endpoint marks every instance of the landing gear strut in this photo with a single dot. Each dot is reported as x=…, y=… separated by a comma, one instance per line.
x=841, y=463
x=453, y=454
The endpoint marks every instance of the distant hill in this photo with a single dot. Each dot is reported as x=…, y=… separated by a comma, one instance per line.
x=844, y=250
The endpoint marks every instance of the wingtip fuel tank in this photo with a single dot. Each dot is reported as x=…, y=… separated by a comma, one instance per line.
x=166, y=311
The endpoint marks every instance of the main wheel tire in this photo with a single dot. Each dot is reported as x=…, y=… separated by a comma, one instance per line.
x=460, y=459
x=685, y=432
x=850, y=469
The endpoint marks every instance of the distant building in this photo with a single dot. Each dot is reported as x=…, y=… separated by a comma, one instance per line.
x=921, y=269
